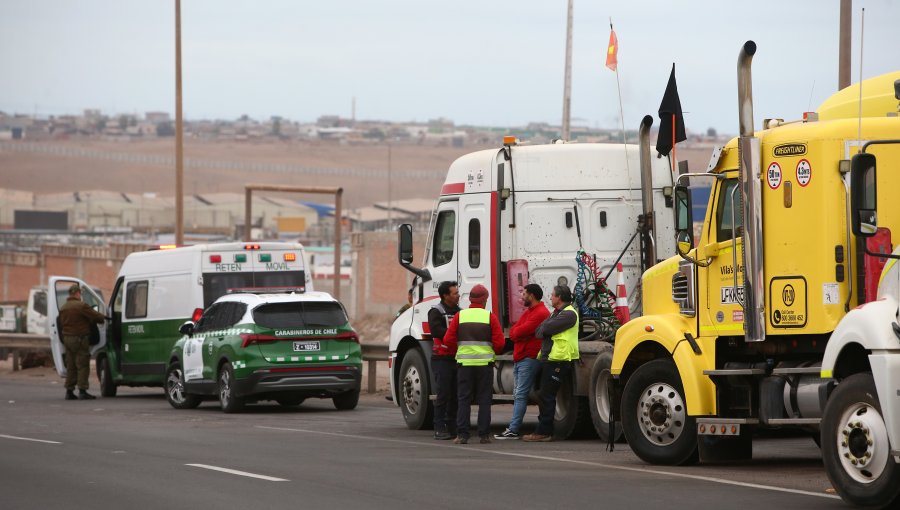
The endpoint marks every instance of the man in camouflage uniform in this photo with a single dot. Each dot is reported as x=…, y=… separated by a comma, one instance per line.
x=76, y=318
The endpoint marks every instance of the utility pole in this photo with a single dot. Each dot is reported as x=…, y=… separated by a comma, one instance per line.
x=567, y=86
x=844, y=45
x=390, y=203
x=179, y=136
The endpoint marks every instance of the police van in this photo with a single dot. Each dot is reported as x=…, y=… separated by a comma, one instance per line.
x=156, y=291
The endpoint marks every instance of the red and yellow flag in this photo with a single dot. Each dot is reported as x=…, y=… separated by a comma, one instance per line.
x=612, y=53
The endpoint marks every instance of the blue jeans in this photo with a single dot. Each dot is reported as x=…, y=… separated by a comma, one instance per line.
x=524, y=373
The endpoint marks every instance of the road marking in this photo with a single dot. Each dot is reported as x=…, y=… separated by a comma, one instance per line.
x=239, y=473
x=569, y=461
x=30, y=439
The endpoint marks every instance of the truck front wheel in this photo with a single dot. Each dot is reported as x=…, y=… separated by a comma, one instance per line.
x=654, y=415
x=855, y=445
x=415, y=391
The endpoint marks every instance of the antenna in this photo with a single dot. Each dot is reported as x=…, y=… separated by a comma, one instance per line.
x=862, y=31
x=811, y=90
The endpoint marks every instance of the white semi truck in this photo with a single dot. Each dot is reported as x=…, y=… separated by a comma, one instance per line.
x=860, y=428
x=523, y=214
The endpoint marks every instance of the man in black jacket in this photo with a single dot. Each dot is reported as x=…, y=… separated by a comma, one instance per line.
x=443, y=361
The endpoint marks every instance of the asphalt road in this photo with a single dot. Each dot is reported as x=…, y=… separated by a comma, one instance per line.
x=136, y=452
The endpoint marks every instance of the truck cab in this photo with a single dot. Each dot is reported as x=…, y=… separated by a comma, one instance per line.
x=734, y=334
x=524, y=214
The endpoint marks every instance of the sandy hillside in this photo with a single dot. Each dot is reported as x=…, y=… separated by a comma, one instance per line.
x=122, y=166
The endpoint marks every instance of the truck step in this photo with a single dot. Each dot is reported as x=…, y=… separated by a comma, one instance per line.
x=794, y=421
x=735, y=372
x=727, y=421
x=802, y=370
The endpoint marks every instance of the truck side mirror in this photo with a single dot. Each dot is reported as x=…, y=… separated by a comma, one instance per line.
x=187, y=329
x=405, y=244
x=684, y=222
x=863, y=195
x=405, y=252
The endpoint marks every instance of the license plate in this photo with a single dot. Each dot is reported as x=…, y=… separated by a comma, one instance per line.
x=306, y=346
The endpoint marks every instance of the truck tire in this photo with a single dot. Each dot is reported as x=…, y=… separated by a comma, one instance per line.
x=654, y=416
x=415, y=392
x=599, y=399
x=108, y=387
x=573, y=416
x=346, y=401
x=227, y=399
x=852, y=428
x=175, y=392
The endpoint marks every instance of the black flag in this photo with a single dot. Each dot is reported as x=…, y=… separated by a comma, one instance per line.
x=670, y=106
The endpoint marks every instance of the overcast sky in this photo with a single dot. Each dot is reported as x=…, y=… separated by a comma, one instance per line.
x=483, y=62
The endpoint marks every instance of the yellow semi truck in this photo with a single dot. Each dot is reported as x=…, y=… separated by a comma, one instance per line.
x=735, y=327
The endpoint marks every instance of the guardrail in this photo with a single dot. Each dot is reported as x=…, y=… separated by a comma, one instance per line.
x=372, y=353
x=17, y=342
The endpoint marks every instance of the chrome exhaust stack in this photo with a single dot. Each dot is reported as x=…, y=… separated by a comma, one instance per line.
x=751, y=204
x=648, y=219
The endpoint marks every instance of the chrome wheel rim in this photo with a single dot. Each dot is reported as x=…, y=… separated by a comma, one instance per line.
x=412, y=390
x=661, y=414
x=862, y=443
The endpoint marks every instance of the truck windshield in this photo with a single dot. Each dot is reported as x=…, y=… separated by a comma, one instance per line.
x=216, y=285
x=298, y=315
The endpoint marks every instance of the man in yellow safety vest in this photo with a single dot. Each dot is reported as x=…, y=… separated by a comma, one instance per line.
x=476, y=335
x=558, y=350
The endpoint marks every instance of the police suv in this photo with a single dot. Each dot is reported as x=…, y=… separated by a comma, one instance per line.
x=262, y=345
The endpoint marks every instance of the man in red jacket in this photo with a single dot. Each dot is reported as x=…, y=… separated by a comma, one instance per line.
x=525, y=351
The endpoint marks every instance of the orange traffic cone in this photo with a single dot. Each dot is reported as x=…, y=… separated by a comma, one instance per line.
x=621, y=309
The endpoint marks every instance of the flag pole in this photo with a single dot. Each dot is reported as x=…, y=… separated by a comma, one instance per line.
x=674, y=158
x=622, y=115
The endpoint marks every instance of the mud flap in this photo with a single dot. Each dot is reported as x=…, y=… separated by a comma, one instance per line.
x=726, y=448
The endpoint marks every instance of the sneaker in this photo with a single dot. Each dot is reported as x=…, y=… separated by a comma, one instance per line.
x=485, y=439
x=461, y=440
x=537, y=438
x=442, y=436
x=508, y=434
x=70, y=395
x=84, y=395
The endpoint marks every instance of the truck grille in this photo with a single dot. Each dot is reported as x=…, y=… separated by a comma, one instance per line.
x=683, y=288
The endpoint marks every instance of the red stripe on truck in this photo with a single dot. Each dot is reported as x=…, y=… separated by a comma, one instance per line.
x=453, y=189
